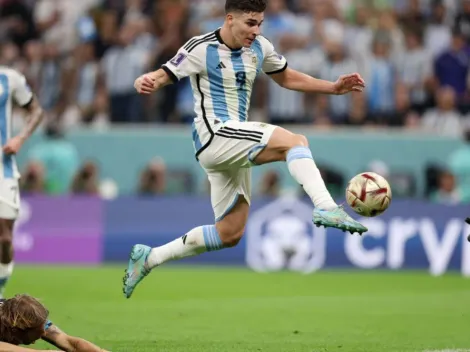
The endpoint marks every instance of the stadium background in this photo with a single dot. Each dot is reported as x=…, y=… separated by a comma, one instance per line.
x=109, y=168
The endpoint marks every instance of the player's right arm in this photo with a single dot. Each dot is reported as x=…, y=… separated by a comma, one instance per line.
x=67, y=343
x=6, y=347
x=188, y=61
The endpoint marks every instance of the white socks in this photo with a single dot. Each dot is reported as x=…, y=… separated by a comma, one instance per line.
x=196, y=241
x=5, y=272
x=304, y=170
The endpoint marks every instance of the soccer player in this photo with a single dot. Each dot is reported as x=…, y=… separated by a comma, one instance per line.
x=222, y=66
x=13, y=90
x=24, y=320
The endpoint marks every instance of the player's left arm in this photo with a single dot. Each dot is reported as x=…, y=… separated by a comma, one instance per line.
x=298, y=81
x=67, y=343
x=275, y=66
x=35, y=114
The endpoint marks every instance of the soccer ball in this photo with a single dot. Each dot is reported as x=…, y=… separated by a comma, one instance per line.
x=368, y=194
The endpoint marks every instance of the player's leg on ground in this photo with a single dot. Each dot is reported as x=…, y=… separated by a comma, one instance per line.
x=293, y=148
x=225, y=233
x=6, y=252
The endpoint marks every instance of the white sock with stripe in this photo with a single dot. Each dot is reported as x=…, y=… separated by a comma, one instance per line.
x=199, y=240
x=304, y=170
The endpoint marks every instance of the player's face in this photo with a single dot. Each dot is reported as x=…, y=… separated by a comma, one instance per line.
x=32, y=336
x=245, y=27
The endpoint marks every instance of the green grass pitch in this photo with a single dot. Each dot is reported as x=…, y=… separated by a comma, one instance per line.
x=183, y=309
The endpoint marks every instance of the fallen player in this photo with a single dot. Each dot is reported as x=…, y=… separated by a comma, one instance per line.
x=24, y=320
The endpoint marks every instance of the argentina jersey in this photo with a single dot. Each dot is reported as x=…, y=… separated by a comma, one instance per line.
x=13, y=89
x=221, y=79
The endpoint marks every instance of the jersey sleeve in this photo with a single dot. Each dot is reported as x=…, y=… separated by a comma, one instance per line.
x=48, y=325
x=21, y=90
x=273, y=62
x=185, y=63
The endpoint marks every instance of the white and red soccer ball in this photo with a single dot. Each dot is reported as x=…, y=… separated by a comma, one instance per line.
x=368, y=194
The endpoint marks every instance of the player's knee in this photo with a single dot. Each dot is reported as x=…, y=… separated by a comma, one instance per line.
x=300, y=140
x=231, y=238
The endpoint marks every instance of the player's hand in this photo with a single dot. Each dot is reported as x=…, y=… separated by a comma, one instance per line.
x=349, y=83
x=145, y=84
x=13, y=145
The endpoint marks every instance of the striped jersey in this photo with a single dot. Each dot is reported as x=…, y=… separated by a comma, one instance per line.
x=222, y=78
x=13, y=89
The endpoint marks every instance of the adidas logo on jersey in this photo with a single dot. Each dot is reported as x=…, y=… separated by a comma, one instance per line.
x=221, y=65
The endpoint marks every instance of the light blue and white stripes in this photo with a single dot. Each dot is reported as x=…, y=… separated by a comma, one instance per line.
x=299, y=152
x=211, y=238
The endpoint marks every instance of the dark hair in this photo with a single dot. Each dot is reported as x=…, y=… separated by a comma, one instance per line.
x=19, y=316
x=245, y=5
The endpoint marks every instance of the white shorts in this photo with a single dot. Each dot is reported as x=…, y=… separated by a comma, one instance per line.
x=9, y=199
x=228, y=158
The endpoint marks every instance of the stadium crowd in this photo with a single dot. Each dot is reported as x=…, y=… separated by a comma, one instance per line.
x=82, y=57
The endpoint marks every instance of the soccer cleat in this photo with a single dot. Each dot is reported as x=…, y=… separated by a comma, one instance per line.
x=338, y=219
x=137, y=268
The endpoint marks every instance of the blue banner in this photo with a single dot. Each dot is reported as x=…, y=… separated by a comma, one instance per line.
x=280, y=235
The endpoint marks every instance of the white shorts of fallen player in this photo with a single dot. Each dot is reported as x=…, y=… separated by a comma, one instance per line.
x=228, y=157
x=9, y=199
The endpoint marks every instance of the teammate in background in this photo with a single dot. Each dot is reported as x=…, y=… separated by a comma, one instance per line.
x=222, y=66
x=13, y=90
x=24, y=320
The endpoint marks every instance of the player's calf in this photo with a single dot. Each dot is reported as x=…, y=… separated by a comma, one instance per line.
x=6, y=253
x=227, y=232
x=6, y=246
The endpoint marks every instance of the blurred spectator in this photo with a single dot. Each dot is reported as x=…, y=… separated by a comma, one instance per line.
x=387, y=25
x=32, y=180
x=337, y=64
x=438, y=34
x=358, y=112
x=81, y=90
x=381, y=79
x=16, y=22
x=59, y=157
x=153, y=179
x=415, y=69
x=402, y=104
x=412, y=16
x=107, y=24
x=452, y=69
x=445, y=119
x=82, y=57
x=459, y=164
x=121, y=65
x=359, y=36
x=50, y=79
x=57, y=21
x=462, y=21
x=34, y=55
x=270, y=184
x=447, y=192
x=86, y=180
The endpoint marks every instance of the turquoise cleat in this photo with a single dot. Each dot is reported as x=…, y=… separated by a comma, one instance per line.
x=338, y=219
x=137, y=268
